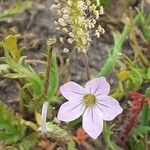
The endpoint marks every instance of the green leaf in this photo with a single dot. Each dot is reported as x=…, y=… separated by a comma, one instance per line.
x=29, y=141
x=16, y=8
x=4, y=69
x=147, y=92
x=10, y=44
x=55, y=131
x=135, y=79
x=137, y=138
x=14, y=75
x=140, y=131
x=71, y=145
x=22, y=70
x=148, y=73
x=144, y=120
x=11, y=130
x=144, y=21
x=53, y=78
x=146, y=111
x=107, y=138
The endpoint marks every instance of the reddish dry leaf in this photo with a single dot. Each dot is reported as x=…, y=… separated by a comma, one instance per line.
x=81, y=136
x=137, y=105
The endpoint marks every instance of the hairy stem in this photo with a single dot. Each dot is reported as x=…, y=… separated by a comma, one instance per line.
x=50, y=43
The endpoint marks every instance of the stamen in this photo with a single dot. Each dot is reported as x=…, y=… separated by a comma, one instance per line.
x=89, y=100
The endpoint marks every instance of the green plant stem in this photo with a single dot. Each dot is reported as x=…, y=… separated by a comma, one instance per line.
x=111, y=61
x=87, y=68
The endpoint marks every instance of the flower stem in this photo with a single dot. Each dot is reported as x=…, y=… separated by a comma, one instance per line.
x=87, y=68
x=50, y=43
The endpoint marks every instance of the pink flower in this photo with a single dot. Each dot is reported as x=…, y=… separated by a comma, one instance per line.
x=92, y=102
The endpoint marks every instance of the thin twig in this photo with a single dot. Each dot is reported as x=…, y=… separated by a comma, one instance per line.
x=87, y=68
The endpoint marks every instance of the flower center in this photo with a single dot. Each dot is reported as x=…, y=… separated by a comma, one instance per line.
x=89, y=100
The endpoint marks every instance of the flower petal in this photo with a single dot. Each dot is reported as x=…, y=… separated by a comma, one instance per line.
x=92, y=123
x=72, y=91
x=98, y=86
x=108, y=108
x=70, y=111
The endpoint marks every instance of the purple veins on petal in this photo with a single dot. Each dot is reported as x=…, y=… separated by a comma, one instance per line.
x=92, y=123
x=72, y=91
x=70, y=111
x=98, y=86
x=108, y=108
